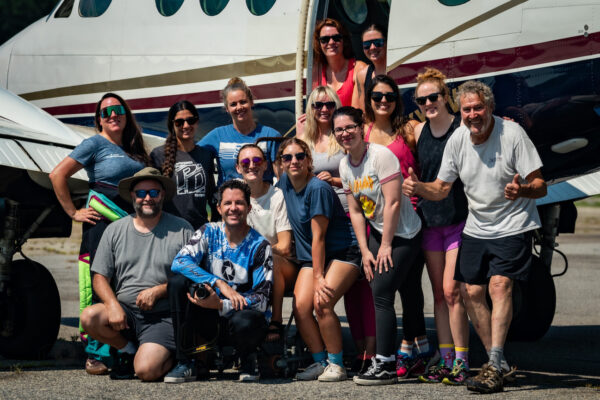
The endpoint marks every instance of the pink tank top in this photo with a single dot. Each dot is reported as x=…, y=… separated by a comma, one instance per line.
x=404, y=155
x=344, y=92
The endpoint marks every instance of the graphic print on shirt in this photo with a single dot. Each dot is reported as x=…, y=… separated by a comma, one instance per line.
x=229, y=151
x=368, y=206
x=190, y=178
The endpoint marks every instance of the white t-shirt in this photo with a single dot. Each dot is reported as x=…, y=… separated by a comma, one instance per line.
x=378, y=166
x=485, y=169
x=269, y=215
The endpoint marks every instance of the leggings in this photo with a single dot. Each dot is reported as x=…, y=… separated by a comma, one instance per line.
x=244, y=329
x=411, y=296
x=385, y=285
x=360, y=311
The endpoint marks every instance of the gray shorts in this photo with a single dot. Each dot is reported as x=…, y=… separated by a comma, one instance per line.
x=149, y=327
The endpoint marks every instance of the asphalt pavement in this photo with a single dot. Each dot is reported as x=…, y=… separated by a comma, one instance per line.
x=565, y=363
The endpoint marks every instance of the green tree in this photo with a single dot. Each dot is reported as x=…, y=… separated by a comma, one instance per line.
x=15, y=15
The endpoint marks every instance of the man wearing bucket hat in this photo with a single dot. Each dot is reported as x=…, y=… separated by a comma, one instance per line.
x=130, y=274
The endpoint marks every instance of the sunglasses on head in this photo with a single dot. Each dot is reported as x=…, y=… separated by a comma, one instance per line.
x=325, y=39
x=107, y=111
x=256, y=160
x=180, y=121
x=141, y=194
x=376, y=42
x=421, y=100
x=317, y=105
x=288, y=157
x=378, y=96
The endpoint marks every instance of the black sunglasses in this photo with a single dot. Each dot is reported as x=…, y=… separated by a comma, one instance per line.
x=389, y=96
x=256, y=160
x=325, y=39
x=107, y=111
x=141, y=194
x=288, y=157
x=376, y=42
x=180, y=121
x=317, y=105
x=421, y=100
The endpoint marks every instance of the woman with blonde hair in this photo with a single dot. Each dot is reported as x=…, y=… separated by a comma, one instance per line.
x=224, y=142
x=443, y=224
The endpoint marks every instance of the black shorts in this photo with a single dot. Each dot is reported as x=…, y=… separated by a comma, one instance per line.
x=350, y=255
x=149, y=327
x=479, y=259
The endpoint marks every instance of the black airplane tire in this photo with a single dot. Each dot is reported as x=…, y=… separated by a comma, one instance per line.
x=539, y=304
x=37, y=316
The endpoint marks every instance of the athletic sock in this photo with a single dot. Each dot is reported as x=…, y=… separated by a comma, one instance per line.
x=129, y=348
x=422, y=345
x=320, y=357
x=447, y=354
x=462, y=353
x=496, y=355
x=385, y=358
x=406, y=350
x=336, y=358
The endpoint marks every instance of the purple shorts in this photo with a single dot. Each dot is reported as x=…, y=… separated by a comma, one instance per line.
x=442, y=238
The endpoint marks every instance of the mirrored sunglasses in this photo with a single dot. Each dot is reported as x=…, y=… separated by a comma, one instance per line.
x=107, y=111
x=256, y=160
x=141, y=194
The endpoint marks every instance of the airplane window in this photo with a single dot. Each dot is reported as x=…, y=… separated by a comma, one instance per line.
x=93, y=8
x=259, y=7
x=64, y=10
x=356, y=10
x=451, y=3
x=168, y=7
x=213, y=7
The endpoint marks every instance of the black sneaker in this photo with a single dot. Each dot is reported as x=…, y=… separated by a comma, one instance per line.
x=122, y=366
x=249, y=369
x=379, y=373
x=489, y=380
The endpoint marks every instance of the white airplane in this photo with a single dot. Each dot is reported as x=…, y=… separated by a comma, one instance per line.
x=541, y=58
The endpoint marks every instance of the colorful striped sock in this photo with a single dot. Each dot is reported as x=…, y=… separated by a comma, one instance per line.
x=462, y=353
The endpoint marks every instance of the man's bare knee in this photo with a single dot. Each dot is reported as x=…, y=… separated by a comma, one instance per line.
x=500, y=287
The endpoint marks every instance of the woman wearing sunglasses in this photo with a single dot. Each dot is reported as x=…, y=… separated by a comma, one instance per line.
x=332, y=49
x=391, y=129
x=269, y=217
x=444, y=221
x=375, y=48
x=225, y=141
x=190, y=166
x=330, y=260
x=372, y=179
x=116, y=152
x=327, y=154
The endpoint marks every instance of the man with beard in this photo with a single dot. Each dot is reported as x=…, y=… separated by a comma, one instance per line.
x=490, y=156
x=130, y=274
x=233, y=265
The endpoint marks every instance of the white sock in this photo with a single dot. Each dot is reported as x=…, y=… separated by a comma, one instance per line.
x=386, y=358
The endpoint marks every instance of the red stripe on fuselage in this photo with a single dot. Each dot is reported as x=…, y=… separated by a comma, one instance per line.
x=453, y=67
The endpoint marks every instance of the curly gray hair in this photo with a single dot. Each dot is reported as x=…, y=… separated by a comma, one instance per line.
x=480, y=89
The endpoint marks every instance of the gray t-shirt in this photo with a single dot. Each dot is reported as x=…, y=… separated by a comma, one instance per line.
x=331, y=164
x=485, y=169
x=135, y=261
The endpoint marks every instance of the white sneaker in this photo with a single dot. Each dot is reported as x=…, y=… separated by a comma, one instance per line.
x=333, y=373
x=312, y=372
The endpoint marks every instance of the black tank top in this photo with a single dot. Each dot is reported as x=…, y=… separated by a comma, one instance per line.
x=453, y=209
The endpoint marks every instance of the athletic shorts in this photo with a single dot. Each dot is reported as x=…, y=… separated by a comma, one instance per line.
x=148, y=327
x=442, y=238
x=479, y=259
x=350, y=255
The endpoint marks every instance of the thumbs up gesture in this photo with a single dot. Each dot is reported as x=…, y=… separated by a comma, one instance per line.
x=513, y=189
x=409, y=186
